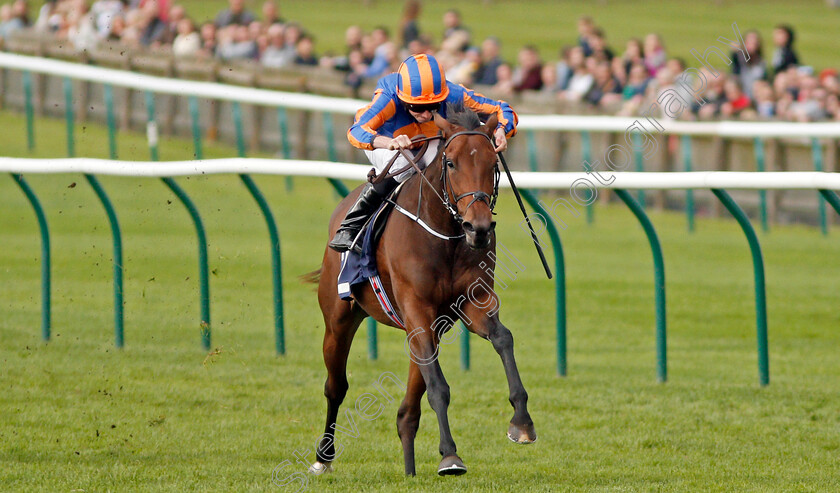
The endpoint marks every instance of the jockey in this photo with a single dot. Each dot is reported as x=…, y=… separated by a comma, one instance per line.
x=403, y=107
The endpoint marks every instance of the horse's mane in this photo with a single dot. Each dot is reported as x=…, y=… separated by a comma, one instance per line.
x=458, y=114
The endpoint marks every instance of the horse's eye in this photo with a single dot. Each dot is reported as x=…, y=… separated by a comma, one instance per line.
x=450, y=163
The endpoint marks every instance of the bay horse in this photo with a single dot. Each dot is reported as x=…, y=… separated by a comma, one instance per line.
x=428, y=280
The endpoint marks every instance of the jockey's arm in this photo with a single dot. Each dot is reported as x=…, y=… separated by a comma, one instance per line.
x=508, y=118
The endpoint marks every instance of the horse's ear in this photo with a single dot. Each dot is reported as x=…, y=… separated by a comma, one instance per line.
x=490, y=126
x=443, y=124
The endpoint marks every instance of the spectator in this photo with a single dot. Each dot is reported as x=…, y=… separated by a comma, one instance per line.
x=176, y=14
x=810, y=103
x=765, y=104
x=236, y=44
x=598, y=46
x=208, y=40
x=549, y=78
x=275, y=55
x=828, y=80
x=358, y=66
x=353, y=38
x=654, y=53
x=255, y=30
x=633, y=92
x=292, y=32
x=451, y=52
x=752, y=70
x=104, y=12
x=9, y=23
x=187, y=42
x=409, y=30
x=452, y=24
x=606, y=89
x=156, y=27
x=305, y=50
x=832, y=106
x=585, y=26
x=783, y=56
x=581, y=80
x=633, y=55
x=675, y=65
x=787, y=82
x=162, y=10
x=81, y=29
x=462, y=72
x=47, y=17
x=504, y=80
x=135, y=24
x=736, y=100
x=235, y=14
x=529, y=74
x=117, y=32
x=271, y=14
x=20, y=9
x=383, y=62
x=420, y=46
x=564, y=69
x=485, y=74
x=352, y=41
x=637, y=82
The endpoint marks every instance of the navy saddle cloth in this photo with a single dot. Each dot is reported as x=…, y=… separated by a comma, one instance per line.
x=357, y=268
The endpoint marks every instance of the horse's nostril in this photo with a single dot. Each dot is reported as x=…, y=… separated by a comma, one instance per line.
x=468, y=227
x=492, y=225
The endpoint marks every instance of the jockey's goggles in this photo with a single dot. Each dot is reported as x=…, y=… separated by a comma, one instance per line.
x=420, y=108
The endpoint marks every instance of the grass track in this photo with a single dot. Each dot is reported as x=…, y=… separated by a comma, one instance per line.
x=163, y=415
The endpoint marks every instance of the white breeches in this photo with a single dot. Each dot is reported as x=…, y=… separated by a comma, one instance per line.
x=379, y=158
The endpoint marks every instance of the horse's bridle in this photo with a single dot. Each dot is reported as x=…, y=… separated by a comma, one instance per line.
x=478, y=195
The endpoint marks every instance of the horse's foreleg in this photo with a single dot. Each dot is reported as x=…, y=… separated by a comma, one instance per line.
x=408, y=416
x=521, y=429
x=423, y=349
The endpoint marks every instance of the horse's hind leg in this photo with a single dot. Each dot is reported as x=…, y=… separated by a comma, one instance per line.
x=341, y=323
x=408, y=416
x=521, y=429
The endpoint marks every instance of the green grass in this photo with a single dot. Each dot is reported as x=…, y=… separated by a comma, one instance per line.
x=550, y=24
x=162, y=414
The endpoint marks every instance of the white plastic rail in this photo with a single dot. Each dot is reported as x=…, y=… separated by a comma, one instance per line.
x=326, y=169
x=265, y=97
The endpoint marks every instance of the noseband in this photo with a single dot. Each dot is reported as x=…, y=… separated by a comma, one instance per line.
x=478, y=195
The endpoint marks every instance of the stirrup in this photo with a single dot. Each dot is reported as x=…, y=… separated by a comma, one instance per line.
x=344, y=240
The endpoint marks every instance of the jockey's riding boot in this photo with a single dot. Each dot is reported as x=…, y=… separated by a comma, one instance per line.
x=358, y=214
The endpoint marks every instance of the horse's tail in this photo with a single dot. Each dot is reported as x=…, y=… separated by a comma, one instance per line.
x=313, y=277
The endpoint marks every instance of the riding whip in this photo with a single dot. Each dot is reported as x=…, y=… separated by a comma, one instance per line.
x=522, y=207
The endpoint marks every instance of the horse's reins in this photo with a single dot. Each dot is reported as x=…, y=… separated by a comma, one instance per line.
x=479, y=195
x=447, y=186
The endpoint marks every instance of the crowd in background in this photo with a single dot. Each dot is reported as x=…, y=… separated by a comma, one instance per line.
x=590, y=72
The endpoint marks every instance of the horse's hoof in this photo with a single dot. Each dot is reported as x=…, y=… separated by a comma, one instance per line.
x=522, y=435
x=319, y=468
x=451, y=465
